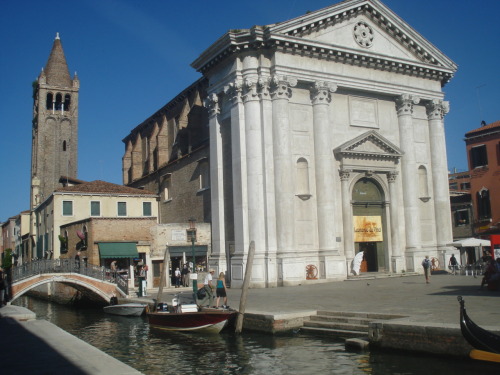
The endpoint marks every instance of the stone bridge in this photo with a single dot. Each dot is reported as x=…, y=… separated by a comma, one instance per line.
x=93, y=281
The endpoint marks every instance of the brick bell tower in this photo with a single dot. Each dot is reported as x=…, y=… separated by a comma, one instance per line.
x=55, y=126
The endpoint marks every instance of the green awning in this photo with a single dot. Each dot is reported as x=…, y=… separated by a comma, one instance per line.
x=199, y=250
x=118, y=250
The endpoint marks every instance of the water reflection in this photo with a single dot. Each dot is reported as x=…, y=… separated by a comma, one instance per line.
x=152, y=351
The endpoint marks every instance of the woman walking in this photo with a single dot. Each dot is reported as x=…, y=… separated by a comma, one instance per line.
x=221, y=291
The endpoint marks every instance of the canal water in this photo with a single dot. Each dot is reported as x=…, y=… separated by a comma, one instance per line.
x=132, y=341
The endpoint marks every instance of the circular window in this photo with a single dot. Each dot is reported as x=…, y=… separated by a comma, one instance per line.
x=363, y=34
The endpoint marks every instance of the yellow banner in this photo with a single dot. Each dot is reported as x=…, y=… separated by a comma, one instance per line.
x=368, y=229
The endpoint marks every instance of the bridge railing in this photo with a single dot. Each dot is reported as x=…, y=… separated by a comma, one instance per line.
x=43, y=266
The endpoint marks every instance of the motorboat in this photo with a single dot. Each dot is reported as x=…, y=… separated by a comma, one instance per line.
x=190, y=317
x=126, y=309
x=485, y=343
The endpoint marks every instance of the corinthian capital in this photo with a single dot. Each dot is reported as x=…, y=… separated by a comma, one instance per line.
x=263, y=87
x=344, y=174
x=233, y=91
x=436, y=109
x=249, y=90
x=391, y=176
x=322, y=91
x=405, y=102
x=281, y=87
x=212, y=104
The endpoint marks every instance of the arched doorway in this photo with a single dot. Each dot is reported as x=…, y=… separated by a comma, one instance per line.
x=369, y=224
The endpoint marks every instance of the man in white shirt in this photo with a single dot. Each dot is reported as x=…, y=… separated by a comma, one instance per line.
x=209, y=287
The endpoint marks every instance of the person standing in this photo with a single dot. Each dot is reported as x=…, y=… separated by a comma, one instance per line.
x=426, y=263
x=77, y=261
x=220, y=291
x=177, y=275
x=142, y=282
x=185, y=275
x=453, y=264
x=209, y=287
x=2, y=288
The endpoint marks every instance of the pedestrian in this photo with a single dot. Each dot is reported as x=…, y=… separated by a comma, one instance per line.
x=221, y=292
x=77, y=260
x=2, y=288
x=142, y=282
x=453, y=264
x=177, y=277
x=207, y=285
x=426, y=263
x=185, y=275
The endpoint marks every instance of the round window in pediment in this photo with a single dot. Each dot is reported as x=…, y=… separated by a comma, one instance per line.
x=363, y=34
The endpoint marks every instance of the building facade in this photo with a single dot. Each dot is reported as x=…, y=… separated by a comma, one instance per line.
x=483, y=151
x=326, y=139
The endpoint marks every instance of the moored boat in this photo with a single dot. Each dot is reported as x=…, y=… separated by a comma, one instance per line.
x=126, y=309
x=205, y=320
x=479, y=338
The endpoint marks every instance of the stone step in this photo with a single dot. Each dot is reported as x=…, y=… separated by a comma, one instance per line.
x=340, y=319
x=378, y=275
x=360, y=315
x=337, y=333
x=338, y=326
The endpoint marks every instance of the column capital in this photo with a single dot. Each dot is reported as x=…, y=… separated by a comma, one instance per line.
x=233, y=91
x=321, y=92
x=264, y=87
x=405, y=102
x=391, y=176
x=437, y=109
x=281, y=86
x=212, y=104
x=345, y=174
x=249, y=90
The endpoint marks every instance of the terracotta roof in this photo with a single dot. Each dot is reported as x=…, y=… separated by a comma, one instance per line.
x=103, y=187
x=493, y=125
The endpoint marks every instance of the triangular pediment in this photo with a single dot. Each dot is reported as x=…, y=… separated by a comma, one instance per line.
x=364, y=26
x=369, y=145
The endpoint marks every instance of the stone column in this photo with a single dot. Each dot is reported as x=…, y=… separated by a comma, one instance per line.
x=348, y=227
x=283, y=163
x=436, y=110
x=216, y=176
x=404, y=106
x=397, y=261
x=321, y=96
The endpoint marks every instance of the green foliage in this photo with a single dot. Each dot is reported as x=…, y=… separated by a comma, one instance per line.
x=7, y=258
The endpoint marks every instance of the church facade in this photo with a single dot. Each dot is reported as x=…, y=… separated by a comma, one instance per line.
x=327, y=139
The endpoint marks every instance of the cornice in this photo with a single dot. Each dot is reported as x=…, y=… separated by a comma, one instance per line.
x=288, y=37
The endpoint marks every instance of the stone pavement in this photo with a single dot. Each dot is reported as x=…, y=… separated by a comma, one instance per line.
x=406, y=295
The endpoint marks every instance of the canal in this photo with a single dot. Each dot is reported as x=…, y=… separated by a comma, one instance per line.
x=131, y=341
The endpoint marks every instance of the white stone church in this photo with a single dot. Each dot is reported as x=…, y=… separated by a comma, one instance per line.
x=326, y=139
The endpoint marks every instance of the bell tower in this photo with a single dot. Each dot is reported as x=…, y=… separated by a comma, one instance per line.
x=55, y=126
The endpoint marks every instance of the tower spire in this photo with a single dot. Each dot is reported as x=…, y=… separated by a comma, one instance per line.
x=56, y=69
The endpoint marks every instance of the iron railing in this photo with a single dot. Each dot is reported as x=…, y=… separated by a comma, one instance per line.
x=44, y=266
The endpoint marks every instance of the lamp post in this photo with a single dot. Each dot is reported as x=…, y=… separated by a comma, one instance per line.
x=192, y=234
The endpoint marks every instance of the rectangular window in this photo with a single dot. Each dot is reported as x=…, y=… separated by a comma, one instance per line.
x=465, y=186
x=453, y=185
x=146, y=209
x=204, y=175
x=122, y=208
x=95, y=208
x=461, y=218
x=167, y=186
x=478, y=156
x=67, y=208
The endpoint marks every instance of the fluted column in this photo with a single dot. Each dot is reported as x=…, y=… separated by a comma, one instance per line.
x=321, y=95
x=393, y=209
x=404, y=106
x=348, y=227
x=436, y=110
x=216, y=175
x=283, y=163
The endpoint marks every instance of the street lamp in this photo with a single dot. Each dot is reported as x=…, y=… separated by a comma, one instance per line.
x=191, y=231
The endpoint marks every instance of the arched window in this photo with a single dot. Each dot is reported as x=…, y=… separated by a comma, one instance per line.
x=67, y=102
x=50, y=99
x=365, y=190
x=58, y=103
x=423, y=185
x=302, y=177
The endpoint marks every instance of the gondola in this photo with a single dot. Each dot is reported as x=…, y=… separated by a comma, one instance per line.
x=485, y=343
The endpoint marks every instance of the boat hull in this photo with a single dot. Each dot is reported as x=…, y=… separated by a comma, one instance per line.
x=212, y=321
x=126, y=309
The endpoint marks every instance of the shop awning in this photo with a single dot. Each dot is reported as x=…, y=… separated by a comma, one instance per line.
x=199, y=250
x=118, y=250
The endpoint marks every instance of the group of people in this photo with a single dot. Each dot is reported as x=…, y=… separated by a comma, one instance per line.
x=220, y=289
x=491, y=275
x=181, y=277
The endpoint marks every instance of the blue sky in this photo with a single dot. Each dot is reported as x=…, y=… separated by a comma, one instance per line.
x=133, y=56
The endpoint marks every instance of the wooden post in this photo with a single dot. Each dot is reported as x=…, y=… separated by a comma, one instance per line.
x=246, y=283
x=166, y=260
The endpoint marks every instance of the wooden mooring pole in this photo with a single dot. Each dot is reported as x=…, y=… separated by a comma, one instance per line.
x=246, y=283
